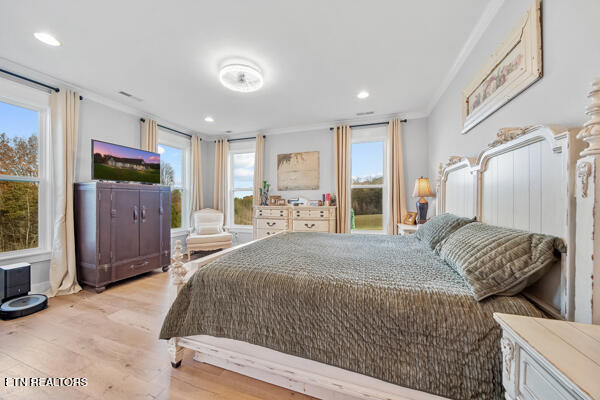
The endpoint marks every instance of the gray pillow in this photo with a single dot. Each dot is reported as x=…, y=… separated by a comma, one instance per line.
x=438, y=228
x=496, y=260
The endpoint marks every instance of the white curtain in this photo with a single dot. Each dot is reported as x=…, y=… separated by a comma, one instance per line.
x=197, y=202
x=221, y=160
x=259, y=167
x=149, y=136
x=397, y=193
x=64, y=115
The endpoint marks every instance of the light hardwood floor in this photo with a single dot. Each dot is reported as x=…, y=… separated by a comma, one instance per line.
x=111, y=338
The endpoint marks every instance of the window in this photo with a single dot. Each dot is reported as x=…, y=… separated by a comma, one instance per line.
x=23, y=129
x=241, y=183
x=368, y=190
x=174, y=155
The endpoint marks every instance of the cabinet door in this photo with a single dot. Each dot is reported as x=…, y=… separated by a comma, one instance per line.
x=165, y=228
x=125, y=224
x=149, y=222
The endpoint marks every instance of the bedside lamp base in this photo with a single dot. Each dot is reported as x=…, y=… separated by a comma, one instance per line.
x=422, y=207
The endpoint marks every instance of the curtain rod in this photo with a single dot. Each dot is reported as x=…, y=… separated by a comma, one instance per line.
x=372, y=124
x=243, y=138
x=170, y=129
x=33, y=81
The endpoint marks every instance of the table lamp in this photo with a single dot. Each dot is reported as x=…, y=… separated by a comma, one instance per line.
x=422, y=190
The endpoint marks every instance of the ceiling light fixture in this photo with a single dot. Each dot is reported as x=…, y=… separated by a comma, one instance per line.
x=241, y=78
x=209, y=119
x=46, y=38
x=363, y=95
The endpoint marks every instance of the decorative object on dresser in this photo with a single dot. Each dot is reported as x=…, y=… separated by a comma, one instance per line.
x=264, y=194
x=121, y=230
x=410, y=218
x=273, y=200
x=514, y=66
x=208, y=232
x=407, y=229
x=549, y=359
x=275, y=219
x=422, y=190
x=298, y=171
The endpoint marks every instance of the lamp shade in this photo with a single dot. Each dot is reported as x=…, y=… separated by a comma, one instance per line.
x=422, y=188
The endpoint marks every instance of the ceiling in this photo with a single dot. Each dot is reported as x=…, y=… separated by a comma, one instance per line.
x=315, y=55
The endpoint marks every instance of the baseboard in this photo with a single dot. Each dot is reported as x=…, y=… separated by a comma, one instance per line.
x=40, y=287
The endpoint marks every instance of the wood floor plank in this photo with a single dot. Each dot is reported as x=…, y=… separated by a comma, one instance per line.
x=111, y=338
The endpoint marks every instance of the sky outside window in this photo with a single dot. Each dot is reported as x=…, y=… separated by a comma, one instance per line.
x=367, y=162
x=173, y=156
x=243, y=170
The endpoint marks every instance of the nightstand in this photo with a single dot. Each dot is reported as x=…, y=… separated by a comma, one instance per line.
x=404, y=229
x=549, y=359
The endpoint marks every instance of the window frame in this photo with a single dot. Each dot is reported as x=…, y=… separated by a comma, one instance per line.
x=24, y=96
x=241, y=147
x=184, y=144
x=369, y=135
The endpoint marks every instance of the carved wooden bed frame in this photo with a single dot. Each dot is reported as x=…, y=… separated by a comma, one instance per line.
x=531, y=178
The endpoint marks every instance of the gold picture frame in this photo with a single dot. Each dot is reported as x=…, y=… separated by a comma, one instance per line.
x=410, y=218
x=514, y=66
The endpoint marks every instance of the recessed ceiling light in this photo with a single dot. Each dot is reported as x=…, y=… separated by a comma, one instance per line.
x=209, y=119
x=241, y=78
x=363, y=95
x=46, y=38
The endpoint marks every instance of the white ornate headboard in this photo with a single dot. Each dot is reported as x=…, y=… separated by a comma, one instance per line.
x=526, y=180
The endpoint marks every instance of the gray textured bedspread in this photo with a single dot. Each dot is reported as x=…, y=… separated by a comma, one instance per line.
x=383, y=306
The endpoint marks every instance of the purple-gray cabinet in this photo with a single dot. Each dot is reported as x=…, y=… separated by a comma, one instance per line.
x=121, y=230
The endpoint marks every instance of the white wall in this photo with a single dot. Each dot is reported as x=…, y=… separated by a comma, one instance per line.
x=97, y=121
x=319, y=140
x=416, y=160
x=571, y=60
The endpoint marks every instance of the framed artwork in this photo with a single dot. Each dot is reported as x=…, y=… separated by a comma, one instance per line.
x=513, y=67
x=410, y=218
x=281, y=202
x=298, y=171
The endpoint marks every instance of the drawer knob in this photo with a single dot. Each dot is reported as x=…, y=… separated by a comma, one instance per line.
x=309, y=227
x=271, y=223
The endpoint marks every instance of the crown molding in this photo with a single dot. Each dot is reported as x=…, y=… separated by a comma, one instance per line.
x=329, y=124
x=488, y=15
x=91, y=95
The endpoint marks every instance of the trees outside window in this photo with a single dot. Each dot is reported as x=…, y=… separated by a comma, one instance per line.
x=173, y=173
x=19, y=178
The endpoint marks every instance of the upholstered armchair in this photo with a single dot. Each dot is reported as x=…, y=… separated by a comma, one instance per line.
x=207, y=232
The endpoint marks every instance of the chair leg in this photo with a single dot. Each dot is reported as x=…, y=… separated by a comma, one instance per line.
x=188, y=251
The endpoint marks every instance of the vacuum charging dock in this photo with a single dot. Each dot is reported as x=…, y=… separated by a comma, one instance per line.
x=15, y=284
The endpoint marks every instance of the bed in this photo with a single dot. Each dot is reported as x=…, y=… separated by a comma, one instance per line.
x=358, y=316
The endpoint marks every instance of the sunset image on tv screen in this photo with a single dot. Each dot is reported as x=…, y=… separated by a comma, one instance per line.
x=119, y=163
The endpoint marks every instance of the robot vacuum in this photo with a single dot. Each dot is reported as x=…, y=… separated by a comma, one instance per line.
x=15, y=283
x=22, y=306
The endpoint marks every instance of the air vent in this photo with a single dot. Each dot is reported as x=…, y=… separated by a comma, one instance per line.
x=228, y=131
x=360, y=114
x=130, y=96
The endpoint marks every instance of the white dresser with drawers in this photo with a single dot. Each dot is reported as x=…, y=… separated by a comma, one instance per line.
x=269, y=220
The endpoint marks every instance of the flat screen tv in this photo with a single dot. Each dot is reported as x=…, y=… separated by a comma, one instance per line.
x=112, y=162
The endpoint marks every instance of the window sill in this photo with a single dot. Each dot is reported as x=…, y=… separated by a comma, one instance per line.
x=240, y=229
x=179, y=232
x=29, y=256
x=366, y=232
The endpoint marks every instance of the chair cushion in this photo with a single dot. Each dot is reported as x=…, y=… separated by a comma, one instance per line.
x=497, y=260
x=222, y=237
x=440, y=227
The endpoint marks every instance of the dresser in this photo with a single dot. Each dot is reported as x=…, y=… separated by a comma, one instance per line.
x=549, y=359
x=269, y=220
x=121, y=230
